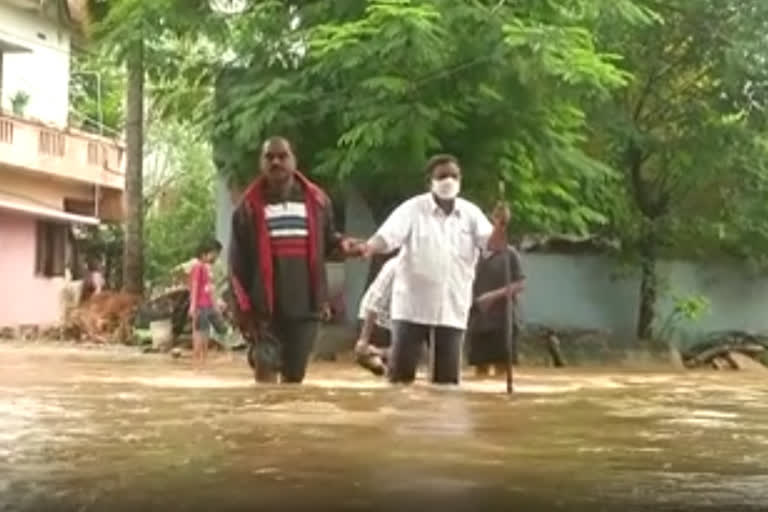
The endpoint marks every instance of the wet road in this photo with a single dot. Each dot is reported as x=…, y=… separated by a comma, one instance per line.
x=93, y=431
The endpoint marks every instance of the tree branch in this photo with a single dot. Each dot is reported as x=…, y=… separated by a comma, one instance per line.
x=675, y=98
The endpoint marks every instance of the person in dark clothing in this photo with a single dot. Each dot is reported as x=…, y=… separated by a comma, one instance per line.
x=487, y=335
x=282, y=233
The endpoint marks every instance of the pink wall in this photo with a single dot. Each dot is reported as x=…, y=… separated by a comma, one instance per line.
x=24, y=297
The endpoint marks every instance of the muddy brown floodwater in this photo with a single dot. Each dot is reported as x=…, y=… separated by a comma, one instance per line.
x=97, y=431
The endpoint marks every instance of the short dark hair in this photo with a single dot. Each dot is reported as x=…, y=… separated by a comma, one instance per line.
x=443, y=158
x=208, y=245
x=279, y=138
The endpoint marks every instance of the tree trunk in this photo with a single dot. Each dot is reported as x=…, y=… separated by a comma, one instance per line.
x=133, y=249
x=648, y=288
x=652, y=207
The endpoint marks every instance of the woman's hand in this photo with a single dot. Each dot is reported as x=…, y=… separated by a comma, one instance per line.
x=515, y=288
x=485, y=301
x=361, y=347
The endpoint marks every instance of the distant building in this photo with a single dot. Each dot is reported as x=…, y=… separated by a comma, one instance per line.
x=52, y=176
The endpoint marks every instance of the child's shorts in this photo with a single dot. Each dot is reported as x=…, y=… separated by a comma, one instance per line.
x=208, y=319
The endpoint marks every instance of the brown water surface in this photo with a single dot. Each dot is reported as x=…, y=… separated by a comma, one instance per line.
x=111, y=431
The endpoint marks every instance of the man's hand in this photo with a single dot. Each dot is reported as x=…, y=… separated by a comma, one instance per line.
x=501, y=214
x=249, y=326
x=352, y=247
x=326, y=312
x=368, y=251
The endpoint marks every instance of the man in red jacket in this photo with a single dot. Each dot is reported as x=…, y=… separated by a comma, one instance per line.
x=282, y=233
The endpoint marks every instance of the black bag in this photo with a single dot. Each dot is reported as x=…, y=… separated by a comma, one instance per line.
x=266, y=351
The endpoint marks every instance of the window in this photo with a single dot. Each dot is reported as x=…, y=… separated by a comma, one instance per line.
x=51, y=249
x=80, y=206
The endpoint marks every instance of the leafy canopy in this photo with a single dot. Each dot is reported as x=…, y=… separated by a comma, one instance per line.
x=687, y=134
x=369, y=89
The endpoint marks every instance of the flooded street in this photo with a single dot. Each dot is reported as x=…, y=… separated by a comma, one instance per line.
x=87, y=430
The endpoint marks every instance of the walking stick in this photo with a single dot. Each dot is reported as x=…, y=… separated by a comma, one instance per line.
x=509, y=312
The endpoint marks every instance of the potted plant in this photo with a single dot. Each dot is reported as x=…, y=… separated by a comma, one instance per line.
x=19, y=103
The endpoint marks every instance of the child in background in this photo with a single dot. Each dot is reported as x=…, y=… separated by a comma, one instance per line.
x=202, y=305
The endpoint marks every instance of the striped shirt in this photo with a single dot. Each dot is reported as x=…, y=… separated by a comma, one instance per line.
x=275, y=234
x=286, y=219
x=378, y=296
x=287, y=224
x=439, y=251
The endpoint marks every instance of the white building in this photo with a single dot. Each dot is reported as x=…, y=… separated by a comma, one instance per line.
x=51, y=175
x=35, y=57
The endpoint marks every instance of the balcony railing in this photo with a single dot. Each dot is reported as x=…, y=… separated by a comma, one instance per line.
x=68, y=153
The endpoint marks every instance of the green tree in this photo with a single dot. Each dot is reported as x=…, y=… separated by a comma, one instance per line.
x=134, y=31
x=369, y=89
x=128, y=45
x=97, y=93
x=687, y=136
x=178, y=196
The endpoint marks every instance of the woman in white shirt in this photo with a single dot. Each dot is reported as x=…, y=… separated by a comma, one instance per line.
x=440, y=236
x=375, y=339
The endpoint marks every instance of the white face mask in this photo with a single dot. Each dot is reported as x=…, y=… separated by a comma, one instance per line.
x=446, y=188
